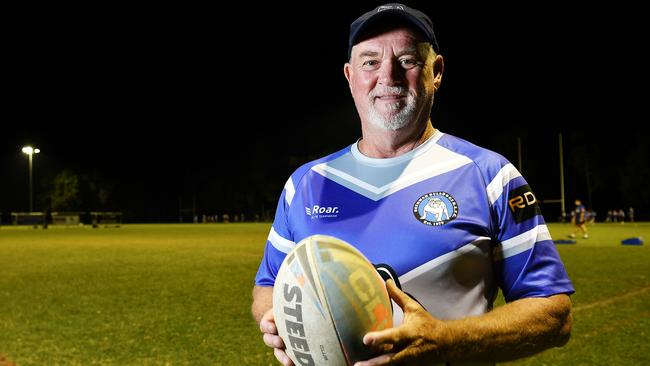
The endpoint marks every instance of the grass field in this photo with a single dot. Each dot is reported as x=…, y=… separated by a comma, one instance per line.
x=180, y=295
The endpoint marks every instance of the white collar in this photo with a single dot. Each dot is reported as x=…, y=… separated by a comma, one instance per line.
x=358, y=155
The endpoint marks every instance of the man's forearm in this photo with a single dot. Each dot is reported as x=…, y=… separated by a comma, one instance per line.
x=262, y=301
x=518, y=329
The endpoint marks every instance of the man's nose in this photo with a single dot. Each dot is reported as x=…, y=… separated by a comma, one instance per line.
x=390, y=73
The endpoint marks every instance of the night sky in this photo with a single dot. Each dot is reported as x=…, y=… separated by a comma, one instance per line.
x=172, y=108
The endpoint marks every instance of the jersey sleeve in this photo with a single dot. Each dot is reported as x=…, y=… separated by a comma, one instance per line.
x=527, y=263
x=279, y=242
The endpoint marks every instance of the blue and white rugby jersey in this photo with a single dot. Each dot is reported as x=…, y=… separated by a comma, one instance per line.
x=455, y=221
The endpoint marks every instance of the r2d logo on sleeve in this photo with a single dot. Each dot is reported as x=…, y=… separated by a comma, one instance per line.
x=435, y=208
x=523, y=204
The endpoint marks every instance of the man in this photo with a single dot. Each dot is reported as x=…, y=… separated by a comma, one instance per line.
x=490, y=234
x=578, y=218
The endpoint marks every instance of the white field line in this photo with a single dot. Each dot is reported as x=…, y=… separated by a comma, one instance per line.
x=611, y=300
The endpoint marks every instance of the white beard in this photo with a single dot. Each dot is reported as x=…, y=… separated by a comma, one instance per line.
x=396, y=121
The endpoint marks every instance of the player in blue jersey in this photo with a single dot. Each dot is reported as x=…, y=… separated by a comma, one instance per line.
x=579, y=219
x=452, y=221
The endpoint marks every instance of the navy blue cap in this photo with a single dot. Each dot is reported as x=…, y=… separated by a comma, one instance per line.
x=413, y=16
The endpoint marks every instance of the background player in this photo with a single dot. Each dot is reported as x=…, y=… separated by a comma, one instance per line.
x=578, y=218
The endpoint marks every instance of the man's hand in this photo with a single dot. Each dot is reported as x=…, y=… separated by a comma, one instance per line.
x=262, y=310
x=417, y=341
x=518, y=329
x=272, y=339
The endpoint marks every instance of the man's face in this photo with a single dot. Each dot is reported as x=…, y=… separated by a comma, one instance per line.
x=392, y=80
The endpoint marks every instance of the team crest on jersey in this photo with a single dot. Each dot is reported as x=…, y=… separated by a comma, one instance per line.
x=435, y=208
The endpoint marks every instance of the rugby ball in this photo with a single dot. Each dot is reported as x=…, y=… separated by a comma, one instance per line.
x=326, y=297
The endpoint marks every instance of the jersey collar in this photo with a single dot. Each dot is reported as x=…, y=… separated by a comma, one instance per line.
x=358, y=155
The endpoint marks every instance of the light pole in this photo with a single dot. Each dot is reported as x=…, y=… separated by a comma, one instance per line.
x=30, y=151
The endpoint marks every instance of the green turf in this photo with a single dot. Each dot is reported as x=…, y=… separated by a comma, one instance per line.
x=612, y=299
x=180, y=295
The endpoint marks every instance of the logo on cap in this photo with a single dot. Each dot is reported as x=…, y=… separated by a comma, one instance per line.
x=389, y=7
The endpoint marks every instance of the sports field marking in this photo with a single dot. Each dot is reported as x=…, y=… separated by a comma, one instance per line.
x=614, y=325
x=612, y=300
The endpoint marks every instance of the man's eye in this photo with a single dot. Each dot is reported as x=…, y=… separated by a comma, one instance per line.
x=409, y=63
x=370, y=64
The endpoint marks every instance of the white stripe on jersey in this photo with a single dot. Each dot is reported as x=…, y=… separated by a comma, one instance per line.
x=505, y=175
x=280, y=243
x=323, y=169
x=432, y=162
x=289, y=191
x=440, y=260
x=521, y=242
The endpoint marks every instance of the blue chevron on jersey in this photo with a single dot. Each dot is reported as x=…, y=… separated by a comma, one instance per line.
x=481, y=229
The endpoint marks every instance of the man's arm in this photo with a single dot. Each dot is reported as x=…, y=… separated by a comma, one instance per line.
x=262, y=310
x=518, y=329
x=262, y=301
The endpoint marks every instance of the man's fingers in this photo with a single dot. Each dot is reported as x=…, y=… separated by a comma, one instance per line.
x=379, y=360
x=396, y=294
x=282, y=357
x=268, y=327
x=273, y=341
x=389, y=336
x=385, y=338
x=267, y=323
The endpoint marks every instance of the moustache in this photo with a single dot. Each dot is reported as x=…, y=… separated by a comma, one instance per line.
x=389, y=90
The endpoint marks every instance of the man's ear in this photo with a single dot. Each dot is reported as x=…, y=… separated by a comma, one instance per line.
x=438, y=69
x=347, y=71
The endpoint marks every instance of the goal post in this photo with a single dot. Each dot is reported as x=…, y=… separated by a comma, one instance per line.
x=66, y=218
x=28, y=218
